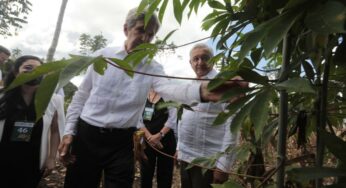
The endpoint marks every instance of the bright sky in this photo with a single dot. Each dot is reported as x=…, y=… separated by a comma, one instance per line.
x=95, y=17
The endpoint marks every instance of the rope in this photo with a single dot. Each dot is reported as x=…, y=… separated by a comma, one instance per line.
x=212, y=169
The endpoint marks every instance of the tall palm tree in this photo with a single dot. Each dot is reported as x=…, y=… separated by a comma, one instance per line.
x=54, y=44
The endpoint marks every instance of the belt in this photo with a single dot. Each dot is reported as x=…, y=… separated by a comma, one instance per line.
x=105, y=130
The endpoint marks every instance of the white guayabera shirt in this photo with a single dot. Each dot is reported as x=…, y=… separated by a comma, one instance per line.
x=115, y=100
x=197, y=137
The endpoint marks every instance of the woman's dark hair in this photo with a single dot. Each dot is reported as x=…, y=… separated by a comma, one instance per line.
x=15, y=69
x=9, y=79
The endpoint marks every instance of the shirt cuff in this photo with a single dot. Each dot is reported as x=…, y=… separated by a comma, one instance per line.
x=70, y=129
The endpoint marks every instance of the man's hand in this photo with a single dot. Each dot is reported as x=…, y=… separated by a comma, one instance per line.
x=64, y=150
x=219, y=177
x=216, y=94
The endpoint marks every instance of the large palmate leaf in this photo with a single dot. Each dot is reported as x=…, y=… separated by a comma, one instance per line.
x=300, y=85
x=335, y=145
x=252, y=76
x=278, y=29
x=260, y=111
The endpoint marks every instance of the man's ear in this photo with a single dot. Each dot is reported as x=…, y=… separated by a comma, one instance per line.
x=126, y=29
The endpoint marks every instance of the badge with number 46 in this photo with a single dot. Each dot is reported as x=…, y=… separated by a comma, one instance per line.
x=22, y=131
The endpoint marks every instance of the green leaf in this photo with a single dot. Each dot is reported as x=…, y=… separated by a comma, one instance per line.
x=268, y=132
x=216, y=5
x=153, y=5
x=100, y=65
x=162, y=10
x=256, y=55
x=44, y=93
x=235, y=92
x=168, y=104
x=207, y=24
x=309, y=173
x=231, y=109
x=221, y=78
x=169, y=35
x=142, y=6
x=252, y=76
x=39, y=71
x=240, y=116
x=77, y=64
x=335, y=145
x=251, y=39
x=220, y=27
x=327, y=18
x=221, y=118
x=178, y=10
x=123, y=64
x=300, y=85
x=277, y=30
x=227, y=184
x=260, y=111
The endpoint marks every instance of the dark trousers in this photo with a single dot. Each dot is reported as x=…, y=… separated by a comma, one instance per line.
x=97, y=150
x=193, y=177
x=164, y=165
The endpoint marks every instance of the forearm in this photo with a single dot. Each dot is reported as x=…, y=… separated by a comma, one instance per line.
x=54, y=138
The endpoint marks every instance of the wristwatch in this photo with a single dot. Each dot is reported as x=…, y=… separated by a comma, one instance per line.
x=162, y=134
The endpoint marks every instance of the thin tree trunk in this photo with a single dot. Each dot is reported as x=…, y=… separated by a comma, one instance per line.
x=283, y=116
x=54, y=44
x=322, y=118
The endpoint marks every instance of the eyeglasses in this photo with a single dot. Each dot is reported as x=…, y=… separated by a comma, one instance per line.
x=203, y=58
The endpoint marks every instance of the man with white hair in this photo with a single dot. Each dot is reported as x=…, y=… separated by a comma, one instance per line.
x=197, y=137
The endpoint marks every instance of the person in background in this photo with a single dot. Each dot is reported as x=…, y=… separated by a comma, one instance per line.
x=28, y=146
x=196, y=135
x=4, y=55
x=159, y=126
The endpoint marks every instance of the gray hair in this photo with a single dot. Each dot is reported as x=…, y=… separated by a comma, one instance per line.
x=5, y=50
x=133, y=16
x=202, y=46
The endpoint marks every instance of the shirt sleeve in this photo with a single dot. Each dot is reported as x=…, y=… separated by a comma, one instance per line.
x=75, y=108
x=188, y=93
x=172, y=119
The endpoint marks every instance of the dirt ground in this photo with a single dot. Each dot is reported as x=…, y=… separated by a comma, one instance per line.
x=56, y=178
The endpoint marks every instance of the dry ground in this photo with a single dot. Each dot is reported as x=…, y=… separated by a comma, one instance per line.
x=56, y=178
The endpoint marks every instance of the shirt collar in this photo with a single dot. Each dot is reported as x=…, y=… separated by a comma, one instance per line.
x=211, y=74
x=121, y=50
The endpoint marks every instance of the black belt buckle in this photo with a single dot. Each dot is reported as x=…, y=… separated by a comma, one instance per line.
x=105, y=130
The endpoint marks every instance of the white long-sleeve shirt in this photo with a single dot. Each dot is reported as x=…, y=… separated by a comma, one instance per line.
x=115, y=100
x=197, y=137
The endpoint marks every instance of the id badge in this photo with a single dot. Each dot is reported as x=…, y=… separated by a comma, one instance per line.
x=148, y=113
x=22, y=131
